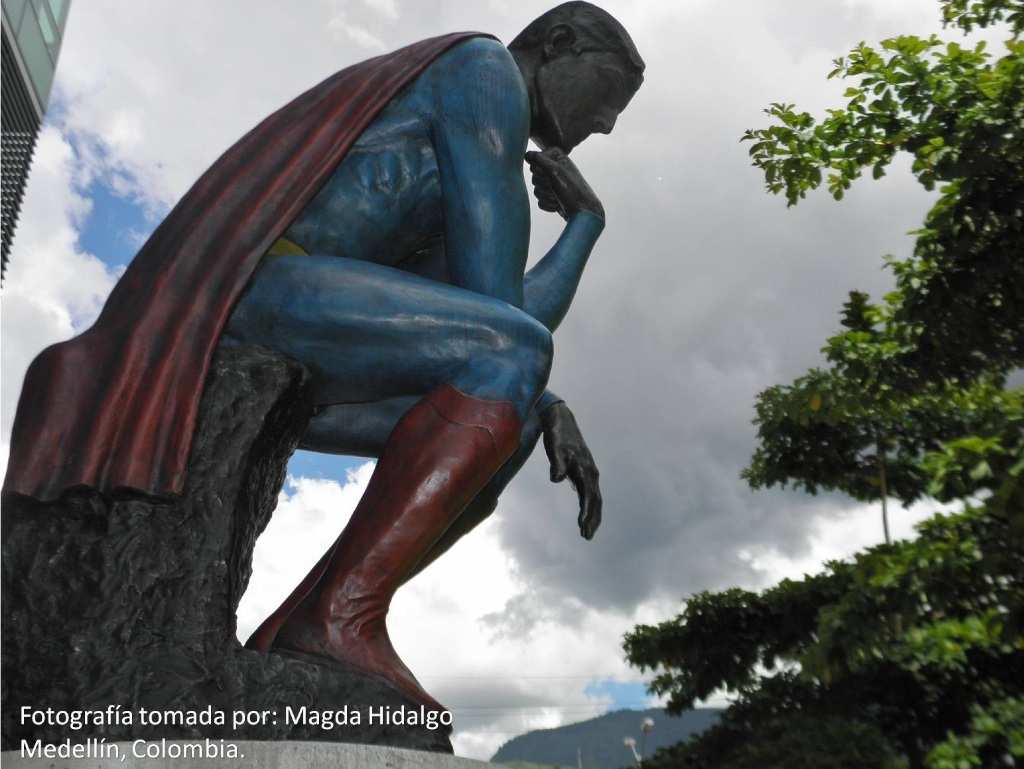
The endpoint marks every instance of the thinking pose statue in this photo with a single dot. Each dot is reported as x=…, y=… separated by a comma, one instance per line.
x=375, y=229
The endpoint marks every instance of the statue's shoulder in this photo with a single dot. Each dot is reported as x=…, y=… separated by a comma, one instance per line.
x=477, y=73
x=481, y=52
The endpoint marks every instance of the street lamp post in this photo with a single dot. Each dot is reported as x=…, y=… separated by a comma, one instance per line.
x=630, y=743
x=646, y=726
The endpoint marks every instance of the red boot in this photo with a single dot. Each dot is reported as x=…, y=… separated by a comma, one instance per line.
x=263, y=637
x=438, y=457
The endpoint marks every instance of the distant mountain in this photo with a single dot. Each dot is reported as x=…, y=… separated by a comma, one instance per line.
x=599, y=740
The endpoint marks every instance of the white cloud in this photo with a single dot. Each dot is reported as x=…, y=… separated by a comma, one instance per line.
x=837, y=538
x=389, y=8
x=364, y=38
x=345, y=29
x=124, y=131
x=162, y=90
x=53, y=289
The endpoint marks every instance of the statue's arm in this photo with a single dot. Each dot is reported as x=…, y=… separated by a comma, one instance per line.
x=480, y=124
x=551, y=285
x=560, y=187
x=547, y=400
x=480, y=127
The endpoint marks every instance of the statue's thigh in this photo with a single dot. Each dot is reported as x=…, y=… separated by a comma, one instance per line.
x=367, y=332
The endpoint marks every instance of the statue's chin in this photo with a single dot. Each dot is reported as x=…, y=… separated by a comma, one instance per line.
x=550, y=139
x=548, y=131
x=544, y=137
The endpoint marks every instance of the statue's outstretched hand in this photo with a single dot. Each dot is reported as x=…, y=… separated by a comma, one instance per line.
x=559, y=186
x=570, y=458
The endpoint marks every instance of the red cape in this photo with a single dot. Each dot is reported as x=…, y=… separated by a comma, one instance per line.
x=116, y=406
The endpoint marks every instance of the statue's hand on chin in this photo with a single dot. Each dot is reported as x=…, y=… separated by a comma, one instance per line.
x=559, y=186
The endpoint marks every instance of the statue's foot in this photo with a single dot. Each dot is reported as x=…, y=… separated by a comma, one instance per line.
x=364, y=647
x=263, y=639
x=303, y=595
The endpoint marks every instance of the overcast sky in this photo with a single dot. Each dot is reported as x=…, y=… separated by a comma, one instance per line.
x=703, y=291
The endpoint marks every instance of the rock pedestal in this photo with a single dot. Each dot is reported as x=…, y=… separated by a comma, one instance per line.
x=130, y=600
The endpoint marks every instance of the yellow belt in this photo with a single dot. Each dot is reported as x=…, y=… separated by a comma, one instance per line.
x=285, y=247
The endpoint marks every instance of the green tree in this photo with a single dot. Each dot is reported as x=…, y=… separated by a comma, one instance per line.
x=912, y=652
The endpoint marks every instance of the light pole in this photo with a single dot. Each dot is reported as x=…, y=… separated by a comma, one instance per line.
x=630, y=743
x=645, y=728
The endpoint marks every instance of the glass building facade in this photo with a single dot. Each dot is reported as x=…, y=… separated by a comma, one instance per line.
x=32, y=34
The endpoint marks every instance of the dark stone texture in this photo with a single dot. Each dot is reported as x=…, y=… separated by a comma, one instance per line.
x=128, y=599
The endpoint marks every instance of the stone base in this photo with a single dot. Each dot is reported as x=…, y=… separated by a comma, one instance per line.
x=129, y=600
x=254, y=755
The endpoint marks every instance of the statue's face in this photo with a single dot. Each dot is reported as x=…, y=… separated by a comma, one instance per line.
x=580, y=94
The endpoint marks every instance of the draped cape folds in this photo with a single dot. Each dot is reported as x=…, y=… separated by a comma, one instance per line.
x=116, y=406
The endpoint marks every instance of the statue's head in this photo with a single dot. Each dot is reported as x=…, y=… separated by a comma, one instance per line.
x=581, y=68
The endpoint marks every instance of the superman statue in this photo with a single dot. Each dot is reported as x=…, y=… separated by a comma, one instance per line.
x=375, y=229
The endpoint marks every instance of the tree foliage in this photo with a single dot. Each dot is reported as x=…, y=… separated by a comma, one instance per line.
x=909, y=654
x=958, y=306
x=909, y=640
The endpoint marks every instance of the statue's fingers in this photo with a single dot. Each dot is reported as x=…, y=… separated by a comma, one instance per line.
x=586, y=482
x=546, y=199
x=590, y=512
x=595, y=505
x=584, y=517
x=542, y=180
x=543, y=162
x=542, y=187
x=579, y=483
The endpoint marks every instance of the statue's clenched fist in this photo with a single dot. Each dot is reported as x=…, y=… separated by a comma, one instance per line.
x=559, y=186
